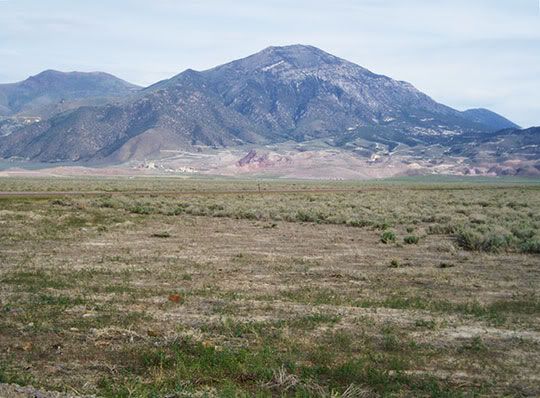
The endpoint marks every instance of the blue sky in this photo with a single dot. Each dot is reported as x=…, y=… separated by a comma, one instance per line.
x=464, y=53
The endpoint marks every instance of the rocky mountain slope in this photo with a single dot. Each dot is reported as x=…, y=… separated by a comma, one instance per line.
x=295, y=93
x=501, y=146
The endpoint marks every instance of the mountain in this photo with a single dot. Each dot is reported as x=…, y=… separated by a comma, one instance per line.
x=296, y=97
x=489, y=118
x=501, y=146
x=51, y=91
x=300, y=92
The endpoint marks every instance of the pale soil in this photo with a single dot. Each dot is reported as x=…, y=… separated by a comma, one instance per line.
x=15, y=391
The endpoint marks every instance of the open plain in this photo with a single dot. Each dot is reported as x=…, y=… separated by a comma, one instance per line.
x=153, y=287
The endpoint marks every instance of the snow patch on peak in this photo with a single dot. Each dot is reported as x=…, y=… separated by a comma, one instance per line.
x=269, y=67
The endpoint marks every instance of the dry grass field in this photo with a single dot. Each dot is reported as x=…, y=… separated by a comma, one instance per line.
x=173, y=288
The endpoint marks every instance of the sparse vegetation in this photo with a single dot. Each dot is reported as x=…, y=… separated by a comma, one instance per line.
x=275, y=294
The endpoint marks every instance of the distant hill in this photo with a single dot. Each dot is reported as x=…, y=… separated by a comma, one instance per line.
x=51, y=91
x=489, y=118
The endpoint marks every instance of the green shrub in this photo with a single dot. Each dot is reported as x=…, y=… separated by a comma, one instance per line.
x=469, y=239
x=177, y=211
x=487, y=241
x=357, y=223
x=382, y=226
x=411, y=240
x=61, y=202
x=523, y=233
x=106, y=203
x=531, y=246
x=495, y=242
x=141, y=209
x=442, y=229
x=425, y=324
x=446, y=265
x=305, y=216
x=388, y=237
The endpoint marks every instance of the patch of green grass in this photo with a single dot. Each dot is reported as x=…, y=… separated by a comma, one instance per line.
x=496, y=312
x=475, y=345
x=186, y=277
x=60, y=300
x=185, y=364
x=390, y=340
x=11, y=375
x=428, y=324
x=36, y=280
x=269, y=329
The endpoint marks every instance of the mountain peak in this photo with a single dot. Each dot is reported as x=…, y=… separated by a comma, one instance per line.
x=293, y=49
x=49, y=72
x=91, y=82
x=55, y=72
x=46, y=75
x=297, y=55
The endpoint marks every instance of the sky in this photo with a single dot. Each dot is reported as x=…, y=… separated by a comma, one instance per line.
x=463, y=53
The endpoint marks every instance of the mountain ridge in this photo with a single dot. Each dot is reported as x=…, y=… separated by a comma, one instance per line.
x=294, y=93
x=38, y=95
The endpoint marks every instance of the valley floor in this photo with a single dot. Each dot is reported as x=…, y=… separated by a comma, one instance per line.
x=391, y=289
